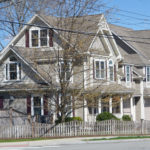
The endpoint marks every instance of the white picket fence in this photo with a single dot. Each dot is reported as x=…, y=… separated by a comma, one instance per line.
x=69, y=129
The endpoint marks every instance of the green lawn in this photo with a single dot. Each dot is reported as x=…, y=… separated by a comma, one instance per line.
x=120, y=138
x=22, y=140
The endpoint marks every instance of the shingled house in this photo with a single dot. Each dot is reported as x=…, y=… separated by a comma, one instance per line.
x=113, y=63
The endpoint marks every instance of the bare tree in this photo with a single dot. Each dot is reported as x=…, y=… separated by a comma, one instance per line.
x=68, y=60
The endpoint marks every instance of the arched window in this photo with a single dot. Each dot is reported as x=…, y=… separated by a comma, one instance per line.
x=111, y=70
x=13, y=69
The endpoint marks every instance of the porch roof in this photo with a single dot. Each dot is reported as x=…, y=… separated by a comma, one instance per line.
x=111, y=88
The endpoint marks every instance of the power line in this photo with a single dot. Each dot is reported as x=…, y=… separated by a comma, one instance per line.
x=80, y=32
x=127, y=11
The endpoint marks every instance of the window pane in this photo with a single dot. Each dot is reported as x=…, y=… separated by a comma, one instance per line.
x=37, y=101
x=148, y=73
x=102, y=65
x=43, y=33
x=19, y=70
x=13, y=71
x=13, y=75
x=43, y=37
x=128, y=77
x=102, y=70
x=111, y=73
x=97, y=69
x=35, y=38
x=43, y=41
x=13, y=67
x=35, y=34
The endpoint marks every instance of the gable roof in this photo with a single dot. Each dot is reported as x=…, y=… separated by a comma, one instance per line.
x=135, y=41
x=28, y=62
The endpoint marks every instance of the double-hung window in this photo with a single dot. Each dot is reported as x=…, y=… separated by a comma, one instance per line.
x=111, y=70
x=13, y=69
x=148, y=73
x=99, y=69
x=39, y=38
x=65, y=71
x=128, y=73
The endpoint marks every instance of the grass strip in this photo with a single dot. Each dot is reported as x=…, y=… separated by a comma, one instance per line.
x=119, y=138
x=22, y=140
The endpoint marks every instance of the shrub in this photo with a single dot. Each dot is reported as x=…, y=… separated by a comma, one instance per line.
x=106, y=116
x=73, y=119
x=126, y=118
x=68, y=119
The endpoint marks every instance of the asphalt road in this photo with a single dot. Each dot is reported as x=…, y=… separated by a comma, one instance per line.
x=136, y=145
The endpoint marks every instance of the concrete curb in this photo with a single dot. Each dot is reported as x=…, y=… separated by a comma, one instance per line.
x=67, y=141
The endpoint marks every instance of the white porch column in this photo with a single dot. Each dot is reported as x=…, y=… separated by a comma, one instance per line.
x=32, y=106
x=110, y=105
x=131, y=107
x=42, y=105
x=142, y=100
x=85, y=111
x=142, y=107
x=121, y=106
x=99, y=106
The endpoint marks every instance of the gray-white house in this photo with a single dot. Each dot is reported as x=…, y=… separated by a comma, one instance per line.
x=114, y=64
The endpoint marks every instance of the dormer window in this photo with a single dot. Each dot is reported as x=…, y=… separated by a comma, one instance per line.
x=35, y=36
x=13, y=69
x=39, y=38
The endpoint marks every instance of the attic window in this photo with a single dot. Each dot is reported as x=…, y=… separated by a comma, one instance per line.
x=40, y=38
x=13, y=69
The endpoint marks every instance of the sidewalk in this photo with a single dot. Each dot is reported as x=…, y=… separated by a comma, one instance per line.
x=65, y=141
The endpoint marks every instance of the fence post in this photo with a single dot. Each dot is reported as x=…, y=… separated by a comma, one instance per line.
x=33, y=129
x=142, y=120
x=10, y=116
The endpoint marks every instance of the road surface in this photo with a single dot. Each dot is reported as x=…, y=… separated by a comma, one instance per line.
x=123, y=145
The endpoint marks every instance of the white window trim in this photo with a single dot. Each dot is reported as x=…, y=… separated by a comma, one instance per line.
x=146, y=74
x=7, y=76
x=39, y=43
x=100, y=60
x=32, y=104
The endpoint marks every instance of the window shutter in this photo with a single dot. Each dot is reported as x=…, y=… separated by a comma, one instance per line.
x=45, y=105
x=27, y=38
x=51, y=38
x=115, y=73
x=1, y=102
x=106, y=69
x=29, y=105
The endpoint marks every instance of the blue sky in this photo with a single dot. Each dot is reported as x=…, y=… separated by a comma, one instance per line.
x=131, y=20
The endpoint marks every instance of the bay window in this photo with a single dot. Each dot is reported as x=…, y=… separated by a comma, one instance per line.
x=13, y=69
x=99, y=69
